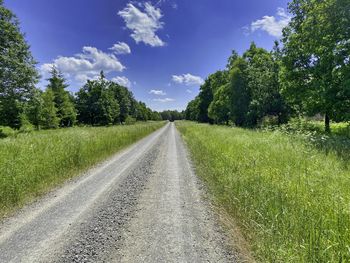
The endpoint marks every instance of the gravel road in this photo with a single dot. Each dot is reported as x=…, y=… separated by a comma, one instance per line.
x=145, y=204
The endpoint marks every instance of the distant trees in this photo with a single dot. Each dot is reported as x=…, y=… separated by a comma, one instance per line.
x=244, y=93
x=172, y=115
x=103, y=102
x=18, y=75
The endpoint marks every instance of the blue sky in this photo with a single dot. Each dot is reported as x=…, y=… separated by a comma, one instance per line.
x=161, y=49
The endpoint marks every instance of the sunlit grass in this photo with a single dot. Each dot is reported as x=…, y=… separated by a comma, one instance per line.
x=31, y=164
x=291, y=199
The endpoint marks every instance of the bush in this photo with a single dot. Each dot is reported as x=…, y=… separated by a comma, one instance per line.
x=130, y=120
x=268, y=121
x=6, y=131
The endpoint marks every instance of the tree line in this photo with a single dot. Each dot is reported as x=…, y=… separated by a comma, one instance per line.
x=23, y=105
x=306, y=73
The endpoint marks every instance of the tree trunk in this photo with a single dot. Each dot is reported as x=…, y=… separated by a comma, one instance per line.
x=327, y=126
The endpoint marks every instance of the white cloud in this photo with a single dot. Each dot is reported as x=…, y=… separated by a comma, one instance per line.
x=122, y=81
x=157, y=92
x=273, y=25
x=189, y=91
x=121, y=48
x=144, y=24
x=188, y=79
x=164, y=100
x=86, y=65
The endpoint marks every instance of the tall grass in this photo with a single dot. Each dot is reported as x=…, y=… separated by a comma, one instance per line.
x=31, y=164
x=291, y=199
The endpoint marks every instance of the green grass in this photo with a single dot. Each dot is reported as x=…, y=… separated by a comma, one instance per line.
x=291, y=199
x=33, y=163
x=312, y=132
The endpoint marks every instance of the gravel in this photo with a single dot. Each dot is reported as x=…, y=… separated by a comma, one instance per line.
x=143, y=205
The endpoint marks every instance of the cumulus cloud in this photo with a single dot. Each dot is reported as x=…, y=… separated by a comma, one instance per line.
x=121, y=48
x=164, y=100
x=143, y=23
x=273, y=25
x=85, y=65
x=187, y=79
x=122, y=81
x=157, y=92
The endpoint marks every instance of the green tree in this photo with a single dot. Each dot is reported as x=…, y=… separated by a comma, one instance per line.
x=172, y=115
x=192, y=110
x=17, y=69
x=108, y=107
x=65, y=106
x=207, y=90
x=35, y=108
x=232, y=59
x=240, y=94
x=262, y=80
x=128, y=105
x=219, y=108
x=141, y=112
x=48, y=118
x=96, y=103
x=315, y=74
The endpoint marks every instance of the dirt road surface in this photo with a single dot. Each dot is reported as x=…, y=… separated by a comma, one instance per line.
x=145, y=204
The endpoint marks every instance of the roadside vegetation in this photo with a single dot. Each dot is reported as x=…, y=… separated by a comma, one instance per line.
x=279, y=171
x=291, y=199
x=307, y=73
x=31, y=164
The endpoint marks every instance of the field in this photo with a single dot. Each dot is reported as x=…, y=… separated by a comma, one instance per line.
x=289, y=195
x=33, y=163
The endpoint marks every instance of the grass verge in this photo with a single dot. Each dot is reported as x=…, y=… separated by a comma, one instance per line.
x=291, y=199
x=31, y=164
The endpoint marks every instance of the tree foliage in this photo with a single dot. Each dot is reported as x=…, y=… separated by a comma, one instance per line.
x=245, y=93
x=18, y=75
x=64, y=102
x=48, y=115
x=316, y=62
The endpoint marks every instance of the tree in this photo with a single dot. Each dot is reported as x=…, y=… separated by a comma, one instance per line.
x=232, y=59
x=240, y=94
x=128, y=105
x=262, y=80
x=66, y=112
x=48, y=116
x=315, y=74
x=172, y=115
x=96, y=103
x=192, y=110
x=207, y=90
x=142, y=113
x=35, y=108
x=219, y=109
x=17, y=69
x=108, y=107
